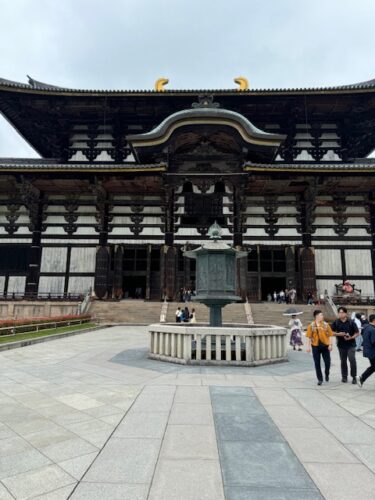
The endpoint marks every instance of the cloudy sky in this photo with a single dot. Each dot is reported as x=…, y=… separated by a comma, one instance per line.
x=128, y=44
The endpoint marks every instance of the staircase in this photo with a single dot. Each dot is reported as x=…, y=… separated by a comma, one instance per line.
x=135, y=312
x=232, y=313
x=269, y=313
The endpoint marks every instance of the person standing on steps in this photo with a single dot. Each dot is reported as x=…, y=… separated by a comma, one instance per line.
x=319, y=337
x=368, y=335
x=346, y=331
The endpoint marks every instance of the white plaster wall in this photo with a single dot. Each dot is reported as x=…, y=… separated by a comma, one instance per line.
x=55, y=230
x=255, y=221
x=367, y=286
x=358, y=262
x=326, y=284
x=2, y=284
x=288, y=231
x=51, y=284
x=80, y=284
x=325, y=231
x=328, y=262
x=82, y=260
x=53, y=260
x=255, y=231
x=357, y=231
x=16, y=284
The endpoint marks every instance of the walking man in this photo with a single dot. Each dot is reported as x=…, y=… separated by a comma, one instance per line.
x=319, y=335
x=368, y=335
x=346, y=331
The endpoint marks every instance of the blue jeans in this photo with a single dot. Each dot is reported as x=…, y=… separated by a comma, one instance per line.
x=358, y=341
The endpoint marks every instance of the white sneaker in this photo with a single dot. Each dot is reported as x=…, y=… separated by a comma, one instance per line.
x=359, y=381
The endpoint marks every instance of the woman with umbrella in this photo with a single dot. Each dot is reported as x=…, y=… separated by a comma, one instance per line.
x=295, y=326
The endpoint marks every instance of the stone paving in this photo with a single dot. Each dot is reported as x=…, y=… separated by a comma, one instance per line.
x=90, y=417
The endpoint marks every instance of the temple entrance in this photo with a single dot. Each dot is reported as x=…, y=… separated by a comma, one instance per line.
x=134, y=287
x=272, y=284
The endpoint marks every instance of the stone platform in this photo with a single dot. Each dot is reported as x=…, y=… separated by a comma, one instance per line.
x=91, y=417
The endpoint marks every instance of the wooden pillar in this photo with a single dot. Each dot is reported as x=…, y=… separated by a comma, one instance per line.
x=102, y=282
x=238, y=214
x=168, y=272
x=372, y=229
x=35, y=204
x=169, y=215
x=148, y=273
x=307, y=255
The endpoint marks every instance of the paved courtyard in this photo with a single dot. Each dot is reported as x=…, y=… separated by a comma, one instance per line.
x=90, y=417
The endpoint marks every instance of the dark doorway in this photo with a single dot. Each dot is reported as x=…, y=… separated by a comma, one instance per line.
x=134, y=287
x=272, y=284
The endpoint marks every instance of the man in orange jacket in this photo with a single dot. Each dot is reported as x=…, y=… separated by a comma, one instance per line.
x=319, y=336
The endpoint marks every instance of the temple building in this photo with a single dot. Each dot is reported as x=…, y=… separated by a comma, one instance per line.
x=127, y=180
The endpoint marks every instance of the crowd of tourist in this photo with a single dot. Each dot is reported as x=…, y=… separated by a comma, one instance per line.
x=287, y=296
x=352, y=334
x=183, y=315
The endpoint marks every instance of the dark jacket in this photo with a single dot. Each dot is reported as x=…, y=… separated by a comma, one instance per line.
x=368, y=334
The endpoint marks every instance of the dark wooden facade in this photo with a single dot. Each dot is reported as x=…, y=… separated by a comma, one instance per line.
x=128, y=179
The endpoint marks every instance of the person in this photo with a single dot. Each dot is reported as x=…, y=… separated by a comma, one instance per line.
x=346, y=332
x=193, y=318
x=319, y=336
x=178, y=315
x=269, y=297
x=310, y=299
x=275, y=296
x=286, y=296
x=292, y=295
x=347, y=287
x=358, y=340
x=186, y=314
x=188, y=297
x=364, y=320
x=281, y=296
x=368, y=334
x=295, y=325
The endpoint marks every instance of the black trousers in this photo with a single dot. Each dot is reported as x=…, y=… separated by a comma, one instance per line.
x=370, y=370
x=318, y=353
x=346, y=354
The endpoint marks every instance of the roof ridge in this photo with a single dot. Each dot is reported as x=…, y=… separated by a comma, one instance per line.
x=37, y=85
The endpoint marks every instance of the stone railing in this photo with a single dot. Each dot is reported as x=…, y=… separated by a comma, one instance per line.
x=235, y=344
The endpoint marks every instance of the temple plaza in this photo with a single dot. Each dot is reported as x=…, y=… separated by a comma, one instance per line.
x=91, y=417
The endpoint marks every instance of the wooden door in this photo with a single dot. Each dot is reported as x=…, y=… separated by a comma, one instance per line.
x=307, y=272
x=102, y=272
x=118, y=272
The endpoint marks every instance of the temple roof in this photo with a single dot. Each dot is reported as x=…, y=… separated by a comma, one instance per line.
x=46, y=115
x=35, y=85
x=14, y=165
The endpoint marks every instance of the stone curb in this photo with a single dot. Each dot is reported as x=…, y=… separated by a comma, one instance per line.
x=47, y=338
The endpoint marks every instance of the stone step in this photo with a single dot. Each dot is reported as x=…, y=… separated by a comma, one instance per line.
x=127, y=311
x=232, y=313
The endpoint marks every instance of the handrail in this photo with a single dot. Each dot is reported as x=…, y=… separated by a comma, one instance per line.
x=36, y=327
x=42, y=296
x=330, y=303
x=85, y=304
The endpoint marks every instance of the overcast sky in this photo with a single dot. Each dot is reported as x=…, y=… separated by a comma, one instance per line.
x=128, y=44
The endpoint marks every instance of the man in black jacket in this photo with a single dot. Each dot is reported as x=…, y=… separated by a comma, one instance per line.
x=346, y=331
x=368, y=334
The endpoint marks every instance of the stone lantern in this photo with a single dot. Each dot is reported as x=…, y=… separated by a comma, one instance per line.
x=215, y=274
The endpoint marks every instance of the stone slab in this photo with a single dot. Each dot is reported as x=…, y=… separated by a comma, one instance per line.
x=187, y=480
x=37, y=482
x=186, y=442
x=343, y=482
x=125, y=460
